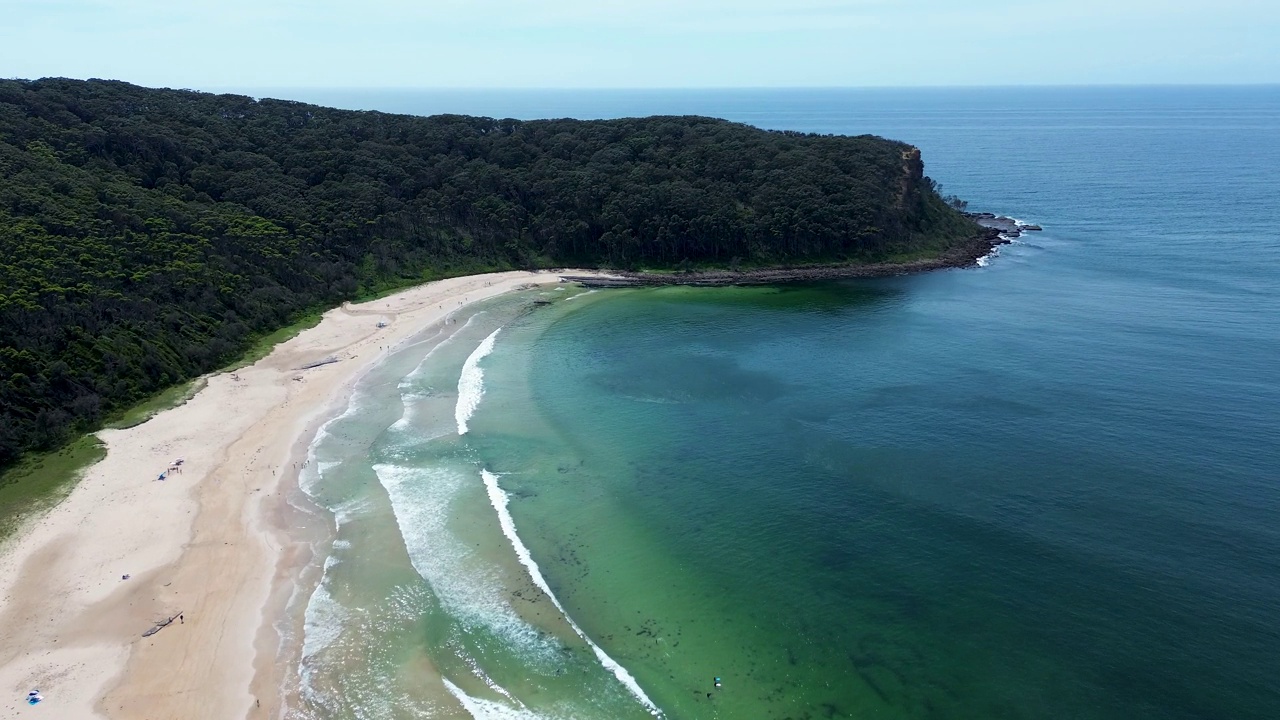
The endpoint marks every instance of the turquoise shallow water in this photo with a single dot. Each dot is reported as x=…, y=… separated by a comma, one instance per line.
x=1043, y=488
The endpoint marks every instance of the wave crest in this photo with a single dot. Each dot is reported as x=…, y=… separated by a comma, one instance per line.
x=471, y=383
x=500, y=500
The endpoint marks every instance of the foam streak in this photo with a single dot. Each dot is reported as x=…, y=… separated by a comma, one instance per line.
x=471, y=383
x=487, y=709
x=499, y=498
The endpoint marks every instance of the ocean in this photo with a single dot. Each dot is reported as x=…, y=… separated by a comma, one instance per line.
x=1047, y=487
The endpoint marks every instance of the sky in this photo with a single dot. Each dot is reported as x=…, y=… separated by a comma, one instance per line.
x=202, y=44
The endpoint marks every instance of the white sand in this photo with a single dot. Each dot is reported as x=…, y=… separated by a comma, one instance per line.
x=201, y=542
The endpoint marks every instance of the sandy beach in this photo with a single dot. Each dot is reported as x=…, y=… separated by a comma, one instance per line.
x=204, y=546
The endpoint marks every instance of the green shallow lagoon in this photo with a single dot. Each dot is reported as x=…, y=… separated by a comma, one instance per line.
x=805, y=491
x=1043, y=488
x=423, y=609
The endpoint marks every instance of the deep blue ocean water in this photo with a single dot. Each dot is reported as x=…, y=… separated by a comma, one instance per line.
x=1047, y=487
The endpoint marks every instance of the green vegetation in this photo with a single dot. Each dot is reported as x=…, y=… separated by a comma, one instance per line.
x=262, y=346
x=168, y=398
x=40, y=480
x=148, y=236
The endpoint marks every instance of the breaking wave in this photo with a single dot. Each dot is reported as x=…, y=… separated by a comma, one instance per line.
x=499, y=498
x=471, y=383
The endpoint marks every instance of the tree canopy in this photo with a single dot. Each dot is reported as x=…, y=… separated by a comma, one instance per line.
x=147, y=236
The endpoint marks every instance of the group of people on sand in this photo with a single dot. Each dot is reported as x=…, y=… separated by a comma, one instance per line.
x=175, y=467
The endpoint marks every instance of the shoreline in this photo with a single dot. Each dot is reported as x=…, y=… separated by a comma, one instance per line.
x=966, y=254
x=219, y=544
x=210, y=543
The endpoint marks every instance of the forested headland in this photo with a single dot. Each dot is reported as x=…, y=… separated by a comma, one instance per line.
x=148, y=236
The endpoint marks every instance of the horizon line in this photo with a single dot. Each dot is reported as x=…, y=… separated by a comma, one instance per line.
x=663, y=88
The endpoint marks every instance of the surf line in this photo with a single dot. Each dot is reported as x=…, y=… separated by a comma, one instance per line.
x=470, y=392
x=422, y=364
x=471, y=383
x=487, y=709
x=499, y=499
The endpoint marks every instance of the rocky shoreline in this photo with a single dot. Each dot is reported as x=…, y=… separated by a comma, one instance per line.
x=998, y=230
x=1006, y=225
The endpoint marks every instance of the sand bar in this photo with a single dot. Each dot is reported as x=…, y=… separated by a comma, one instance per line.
x=201, y=543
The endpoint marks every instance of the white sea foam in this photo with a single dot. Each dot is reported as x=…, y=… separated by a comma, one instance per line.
x=341, y=672
x=313, y=469
x=324, y=618
x=418, y=371
x=499, y=498
x=471, y=383
x=488, y=709
x=651, y=399
x=423, y=341
x=580, y=295
x=410, y=386
x=409, y=416
x=322, y=622
x=484, y=676
x=468, y=587
x=352, y=509
x=312, y=472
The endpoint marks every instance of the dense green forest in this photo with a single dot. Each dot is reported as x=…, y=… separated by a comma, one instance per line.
x=147, y=236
